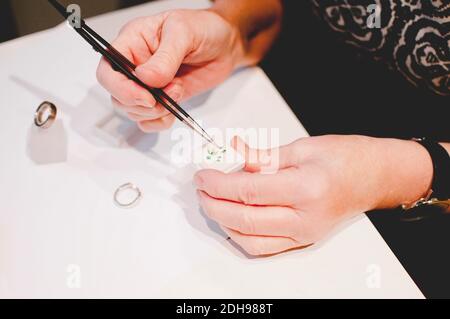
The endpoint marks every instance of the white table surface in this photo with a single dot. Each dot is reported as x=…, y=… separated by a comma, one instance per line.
x=58, y=221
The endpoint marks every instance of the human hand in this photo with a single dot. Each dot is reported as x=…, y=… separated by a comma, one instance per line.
x=174, y=51
x=320, y=182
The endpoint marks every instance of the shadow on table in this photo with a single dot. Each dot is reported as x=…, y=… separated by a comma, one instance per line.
x=85, y=117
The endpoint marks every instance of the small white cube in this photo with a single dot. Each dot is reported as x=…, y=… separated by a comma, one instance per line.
x=226, y=159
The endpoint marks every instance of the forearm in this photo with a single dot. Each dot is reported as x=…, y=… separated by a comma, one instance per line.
x=258, y=22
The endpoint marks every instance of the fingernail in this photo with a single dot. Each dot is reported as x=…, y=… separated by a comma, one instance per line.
x=198, y=181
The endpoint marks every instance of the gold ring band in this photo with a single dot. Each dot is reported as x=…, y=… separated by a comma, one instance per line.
x=45, y=115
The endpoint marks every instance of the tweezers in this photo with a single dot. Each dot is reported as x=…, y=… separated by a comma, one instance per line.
x=121, y=64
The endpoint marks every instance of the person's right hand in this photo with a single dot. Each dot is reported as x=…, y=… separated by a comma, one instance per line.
x=186, y=52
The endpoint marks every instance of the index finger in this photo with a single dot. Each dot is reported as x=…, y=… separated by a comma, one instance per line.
x=251, y=188
x=260, y=160
x=120, y=87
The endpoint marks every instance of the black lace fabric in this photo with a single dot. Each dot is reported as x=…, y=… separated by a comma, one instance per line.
x=413, y=36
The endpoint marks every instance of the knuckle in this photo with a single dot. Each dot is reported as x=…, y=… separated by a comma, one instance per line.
x=165, y=63
x=248, y=193
x=176, y=17
x=247, y=224
x=212, y=187
x=125, y=28
x=127, y=97
x=160, y=74
x=131, y=25
x=181, y=21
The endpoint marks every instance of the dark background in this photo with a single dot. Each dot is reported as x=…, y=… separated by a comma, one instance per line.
x=333, y=89
x=21, y=17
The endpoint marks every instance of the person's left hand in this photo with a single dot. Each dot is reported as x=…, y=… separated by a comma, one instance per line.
x=320, y=182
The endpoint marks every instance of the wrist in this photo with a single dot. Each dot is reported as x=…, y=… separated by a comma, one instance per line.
x=256, y=22
x=405, y=172
x=237, y=41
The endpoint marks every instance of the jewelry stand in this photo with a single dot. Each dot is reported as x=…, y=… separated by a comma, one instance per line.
x=47, y=146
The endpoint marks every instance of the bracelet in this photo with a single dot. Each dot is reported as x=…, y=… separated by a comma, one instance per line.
x=439, y=194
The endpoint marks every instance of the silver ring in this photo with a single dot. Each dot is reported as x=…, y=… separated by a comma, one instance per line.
x=127, y=187
x=45, y=115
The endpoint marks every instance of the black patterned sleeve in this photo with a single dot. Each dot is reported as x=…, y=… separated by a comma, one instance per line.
x=412, y=36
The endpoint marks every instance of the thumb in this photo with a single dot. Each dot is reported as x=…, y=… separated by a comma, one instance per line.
x=163, y=66
x=266, y=161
